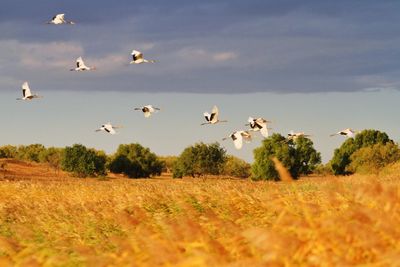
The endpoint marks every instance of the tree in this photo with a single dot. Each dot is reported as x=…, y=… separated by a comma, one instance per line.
x=168, y=162
x=299, y=157
x=52, y=156
x=7, y=152
x=30, y=152
x=236, y=167
x=200, y=159
x=342, y=156
x=372, y=159
x=83, y=162
x=135, y=161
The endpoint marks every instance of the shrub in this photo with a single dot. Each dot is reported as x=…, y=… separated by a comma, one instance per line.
x=83, y=162
x=30, y=152
x=8, y=152
x=236, y=167
x=372, y=159
x=135, y=161
x=200, y=159
x=299, y=157
x=168, y=163
x=342, y=156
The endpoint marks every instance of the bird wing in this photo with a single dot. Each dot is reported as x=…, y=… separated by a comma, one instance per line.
x=264, y=131
x=136, y=55
x=60, y=16
x=246, y=136
x=26, y=91
x=207, y=116
x=80, y=63
x=150, y=108
x=237, y=140
x=214, y=114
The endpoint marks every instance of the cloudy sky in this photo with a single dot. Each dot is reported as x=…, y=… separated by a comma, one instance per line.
x=313, y=66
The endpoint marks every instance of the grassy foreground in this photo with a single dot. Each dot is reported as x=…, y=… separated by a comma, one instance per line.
x=156, y=222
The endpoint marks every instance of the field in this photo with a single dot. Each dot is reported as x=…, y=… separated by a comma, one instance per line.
x=322, y=221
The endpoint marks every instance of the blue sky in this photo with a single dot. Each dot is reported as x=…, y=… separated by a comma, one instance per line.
x=313, y=66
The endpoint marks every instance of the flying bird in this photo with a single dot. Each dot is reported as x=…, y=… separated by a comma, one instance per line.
x=259, y=124
x=27, y=94
x=346, y=132
x=80, y=65
x=59, y=19
x=108, y=128
x=293, y=136
x=137, y=58
x=238, y=137
x=213, y=117
x=148, y=110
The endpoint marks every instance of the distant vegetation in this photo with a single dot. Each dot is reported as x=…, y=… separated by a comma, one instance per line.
x=357, y=153
x=200, y=159
x=135, y=161
x=370, y=151
x=298, y=156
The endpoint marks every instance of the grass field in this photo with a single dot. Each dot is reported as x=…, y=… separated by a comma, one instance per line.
x=64, y=221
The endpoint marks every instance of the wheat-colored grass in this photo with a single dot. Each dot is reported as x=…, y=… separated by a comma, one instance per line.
x=164, y=222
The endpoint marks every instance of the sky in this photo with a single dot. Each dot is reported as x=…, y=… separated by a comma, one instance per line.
x=312, y=66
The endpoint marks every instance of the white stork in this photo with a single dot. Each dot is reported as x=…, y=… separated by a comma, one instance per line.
x=293, y=136
x=59, y=19
x=238, y=137
x=346, y=132
x=259, y=124
x=80, y=65
x=27, y=94
x=213, y=117
x=137, y=58
x=148, y=110
x=108, y=128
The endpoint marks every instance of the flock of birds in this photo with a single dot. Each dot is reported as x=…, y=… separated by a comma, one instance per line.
x=255, y=124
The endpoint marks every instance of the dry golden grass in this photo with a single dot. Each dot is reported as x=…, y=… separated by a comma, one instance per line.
x=164, y=222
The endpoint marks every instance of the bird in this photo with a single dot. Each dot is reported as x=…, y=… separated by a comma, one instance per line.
x=346, y=132
x=137, y=58
x=148, y=110
x=238, y=137
x=293, y=136
x=59, y=19
x=80, y=65
x=27, y=94
x=259, y=124
x=107, y=127
x=213, y=117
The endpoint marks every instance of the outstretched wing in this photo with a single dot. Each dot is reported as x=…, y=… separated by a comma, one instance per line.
x=237, y=140
x=26, y=91
x=207, y=116
x=214, y=114
x=136, y=55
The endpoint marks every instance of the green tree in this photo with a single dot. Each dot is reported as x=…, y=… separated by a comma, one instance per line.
x=30, y=152
x=342, y=156
x=135, y=161
x=83, y=162
x=7, y=152
x=236, y=167
x=200, y=159
x=299, y=157
x=372, y=159
x=52, y=156
x=169, y=162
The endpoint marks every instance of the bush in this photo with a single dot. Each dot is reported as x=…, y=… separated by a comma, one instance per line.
x=299, y=157
x=7, y=152
x=30, y=152
x=168, y=163
x=52, y=156
x=372, y=159
x=135, y=161
x=200, y=159
x=83, y=162
x=236, y=167
x=342, y=156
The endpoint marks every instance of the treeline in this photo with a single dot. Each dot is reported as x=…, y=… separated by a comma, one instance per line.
x=369, y=151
